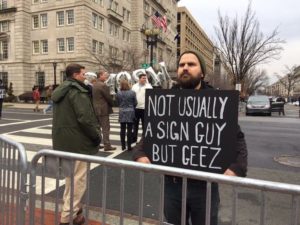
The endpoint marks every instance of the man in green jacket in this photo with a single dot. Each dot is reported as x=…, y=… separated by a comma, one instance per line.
x=75, y=129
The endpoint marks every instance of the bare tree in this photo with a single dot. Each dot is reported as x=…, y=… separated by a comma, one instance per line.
x=243, y=46
x=255, y=80
x=114, y=59
x=291, y=78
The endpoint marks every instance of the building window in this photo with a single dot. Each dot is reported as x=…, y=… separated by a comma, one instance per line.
x=97, y=21
x=160, y=54
x=70, y=17
x=128, y=36
x=3, y=50
x=116, y=31
x=101, y=23
x=124, y=55
x=124, y=35
x=113, y=52
x=70, y=44
x=128, y=16
x=113, y=29
x=94, y=46
x=99, y=2
x=44, y=20
x=44, y=46
x=101, y=47
x=146, y=6
x=4, y=26
x=97, y=47
x=124, y=12
x=35, y=1
x=115, y=6
x=35, y=21
x=60, y=18
x=94, y=19
x=153, y=10
x=63, y=76
x=110, y=3
x=40, y=79
x=43, y=1
x=35, y=47
x=4, y=78
x=3, y=4
x=60, y=44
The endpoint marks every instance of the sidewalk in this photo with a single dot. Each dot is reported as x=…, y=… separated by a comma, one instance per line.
x=32, y=106
x=22, y=105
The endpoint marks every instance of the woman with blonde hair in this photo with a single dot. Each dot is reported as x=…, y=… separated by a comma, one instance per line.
x=127, y=102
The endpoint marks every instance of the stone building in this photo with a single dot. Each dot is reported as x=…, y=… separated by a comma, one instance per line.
x=39, y=38
x=287, y=86
x=192, y=37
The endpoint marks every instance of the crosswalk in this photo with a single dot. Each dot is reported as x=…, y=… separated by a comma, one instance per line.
x=41, y=136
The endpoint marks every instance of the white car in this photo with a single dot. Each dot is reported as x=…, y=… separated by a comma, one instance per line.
x=296, y=103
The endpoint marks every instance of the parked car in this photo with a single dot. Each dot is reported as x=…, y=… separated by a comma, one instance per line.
x=26, y=96
x=296, y=103
x=258, y=104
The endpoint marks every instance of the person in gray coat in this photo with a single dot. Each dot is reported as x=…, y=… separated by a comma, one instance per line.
x=127, y=102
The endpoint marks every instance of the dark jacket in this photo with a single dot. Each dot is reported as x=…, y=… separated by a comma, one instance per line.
x=2, y=91
x=75, y=127
x=240, y=164
x=102, y=99
x=127, y=103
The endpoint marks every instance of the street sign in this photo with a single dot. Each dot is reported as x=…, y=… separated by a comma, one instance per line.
x=238, y=87
x=145, y=65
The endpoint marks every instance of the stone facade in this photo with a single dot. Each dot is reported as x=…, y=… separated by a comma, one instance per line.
x=95, y=33
x=193, y=37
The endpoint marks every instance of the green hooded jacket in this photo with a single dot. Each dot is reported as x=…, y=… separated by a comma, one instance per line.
x=75, y=127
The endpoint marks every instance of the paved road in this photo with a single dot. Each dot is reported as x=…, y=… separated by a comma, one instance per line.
x=267, y=137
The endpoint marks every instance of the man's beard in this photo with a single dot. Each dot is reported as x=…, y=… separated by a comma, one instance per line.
x=190, y=82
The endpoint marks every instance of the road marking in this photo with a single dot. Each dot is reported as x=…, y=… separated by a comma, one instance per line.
x=3, y=118
x=25, y=113
x=29, y=140
x=27, y=121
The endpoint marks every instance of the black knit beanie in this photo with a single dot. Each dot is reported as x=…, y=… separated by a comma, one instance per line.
x=200, y=58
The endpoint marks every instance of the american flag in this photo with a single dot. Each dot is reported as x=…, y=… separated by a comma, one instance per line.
x=159, y=21
x=164, y=24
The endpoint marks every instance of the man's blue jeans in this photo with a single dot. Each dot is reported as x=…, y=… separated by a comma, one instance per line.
x=196, y=201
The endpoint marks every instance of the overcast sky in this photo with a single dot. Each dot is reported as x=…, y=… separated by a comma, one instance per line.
x=270, y=14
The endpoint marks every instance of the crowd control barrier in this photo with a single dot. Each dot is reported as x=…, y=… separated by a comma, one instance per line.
x=64, y=161
x=13, y=176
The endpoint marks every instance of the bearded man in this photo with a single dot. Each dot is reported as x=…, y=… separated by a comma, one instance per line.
x=190, y=75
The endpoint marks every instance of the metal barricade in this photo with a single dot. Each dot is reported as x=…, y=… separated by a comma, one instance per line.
x=13, y=176
x=235, y=182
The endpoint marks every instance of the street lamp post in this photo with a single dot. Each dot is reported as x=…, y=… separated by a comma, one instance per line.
x=54, y=72
x=151, y=40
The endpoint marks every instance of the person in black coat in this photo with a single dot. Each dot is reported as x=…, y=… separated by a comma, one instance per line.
x=2, y=95
x=190, y=73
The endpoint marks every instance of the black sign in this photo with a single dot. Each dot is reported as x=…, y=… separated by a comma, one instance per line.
x=191, y=129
